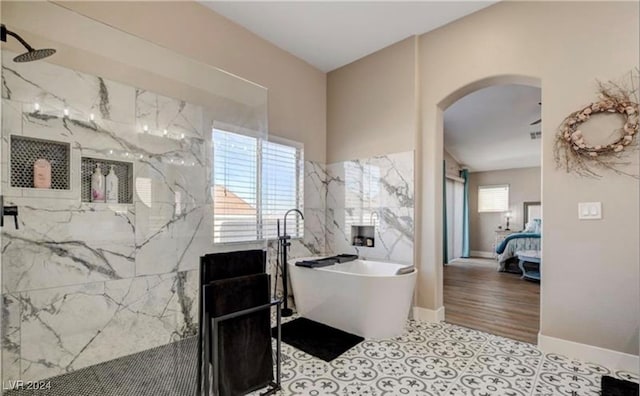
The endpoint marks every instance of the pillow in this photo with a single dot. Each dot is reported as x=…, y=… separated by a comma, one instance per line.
x=530, y=227
x=533, y=226
x=537, y=226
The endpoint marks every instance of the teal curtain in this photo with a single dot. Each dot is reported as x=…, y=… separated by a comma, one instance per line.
x=445, y=242
x=465, y=214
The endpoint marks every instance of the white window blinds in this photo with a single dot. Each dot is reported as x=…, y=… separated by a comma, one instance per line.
x=235, y=180
x=282, y=180
x=255, y=183
x=493, y=198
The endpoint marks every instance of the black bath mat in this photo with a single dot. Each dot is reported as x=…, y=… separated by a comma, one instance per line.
x=317, y=339
x=617, y=387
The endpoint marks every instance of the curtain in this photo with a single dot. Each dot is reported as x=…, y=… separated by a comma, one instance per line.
x=445, y=232
x=465, y=214
x=456, y=223
x=454, y=202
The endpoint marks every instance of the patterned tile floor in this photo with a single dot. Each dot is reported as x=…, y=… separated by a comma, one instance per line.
x=428, y=359
x=442, y=359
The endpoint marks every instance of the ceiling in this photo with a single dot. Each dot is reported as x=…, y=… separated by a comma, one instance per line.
x=489, y=128
x=331, y=34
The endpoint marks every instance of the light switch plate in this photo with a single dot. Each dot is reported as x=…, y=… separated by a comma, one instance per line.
x=590, y=210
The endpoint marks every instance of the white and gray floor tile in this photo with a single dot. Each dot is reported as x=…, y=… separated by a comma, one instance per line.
x=428, y=359
x=442, y=359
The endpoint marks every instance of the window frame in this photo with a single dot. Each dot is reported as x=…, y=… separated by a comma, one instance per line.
x=299, y=147
x=494, y=186
x=299, y=183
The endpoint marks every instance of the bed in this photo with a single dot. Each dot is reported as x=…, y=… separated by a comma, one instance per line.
x=527, y=239
x=514, y=243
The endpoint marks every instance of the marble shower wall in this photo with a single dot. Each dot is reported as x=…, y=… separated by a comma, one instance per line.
x=89, y=282
x=314, y=208
x=84, y=283
x=377, y=190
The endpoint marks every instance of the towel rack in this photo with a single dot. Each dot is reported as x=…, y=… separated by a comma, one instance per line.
x=212, y=339
x=216, y=270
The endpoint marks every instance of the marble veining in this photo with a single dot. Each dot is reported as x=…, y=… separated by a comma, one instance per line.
x=87, y=282
x=377, y=190
x=84, y=283
x=373, y=191
x=67, y=328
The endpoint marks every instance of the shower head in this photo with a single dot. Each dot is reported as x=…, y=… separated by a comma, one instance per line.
x=34, y=55
x=31, y=54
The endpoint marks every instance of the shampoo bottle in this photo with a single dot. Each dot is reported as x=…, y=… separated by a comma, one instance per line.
x=112, y=186
x=42, y=173
x=97, y=185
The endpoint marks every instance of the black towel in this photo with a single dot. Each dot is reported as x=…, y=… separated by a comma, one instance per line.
x=345, y=258
x=327, y=261
x=217, y=266
x=317, y=263
x=244, y=343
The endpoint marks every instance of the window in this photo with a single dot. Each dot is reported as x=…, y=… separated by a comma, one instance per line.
x=493, y=198
x=282, y=178
x=255, y=182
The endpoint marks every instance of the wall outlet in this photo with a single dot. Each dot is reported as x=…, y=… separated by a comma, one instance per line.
x=590, y=210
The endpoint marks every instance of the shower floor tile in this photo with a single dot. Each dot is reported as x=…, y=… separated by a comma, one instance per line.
x=428, y=359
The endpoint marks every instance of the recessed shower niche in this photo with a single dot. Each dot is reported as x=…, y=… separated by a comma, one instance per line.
x=123, y=170
x=26, y=151
x=363, y=235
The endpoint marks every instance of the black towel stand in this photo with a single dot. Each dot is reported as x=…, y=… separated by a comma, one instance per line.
x=211, y=331
x=209, y=326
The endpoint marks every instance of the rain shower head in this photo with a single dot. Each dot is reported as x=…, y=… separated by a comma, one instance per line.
x=34, y=55
x=31, y=54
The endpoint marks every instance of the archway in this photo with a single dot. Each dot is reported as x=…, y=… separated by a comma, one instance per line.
x=429, y=248
x=487, y=132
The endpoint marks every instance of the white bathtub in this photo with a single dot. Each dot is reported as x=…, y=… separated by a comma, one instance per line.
x=361, y=297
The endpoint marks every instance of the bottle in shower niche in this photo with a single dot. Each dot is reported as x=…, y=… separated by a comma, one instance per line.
x=112, y=186
x=97, y=185
x=42, y=173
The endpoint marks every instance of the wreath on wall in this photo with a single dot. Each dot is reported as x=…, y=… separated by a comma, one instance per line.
x=574, y=153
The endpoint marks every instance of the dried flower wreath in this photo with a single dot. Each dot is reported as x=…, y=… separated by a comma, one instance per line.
x=575, y=154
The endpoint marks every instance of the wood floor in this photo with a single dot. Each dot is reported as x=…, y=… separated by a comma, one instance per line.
x=477, y=296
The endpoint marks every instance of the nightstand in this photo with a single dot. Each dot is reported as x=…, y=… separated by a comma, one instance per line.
x=500, y=235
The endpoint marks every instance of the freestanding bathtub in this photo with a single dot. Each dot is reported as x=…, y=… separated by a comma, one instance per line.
x=361, y=297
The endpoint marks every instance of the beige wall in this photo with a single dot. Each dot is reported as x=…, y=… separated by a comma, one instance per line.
x=451, y=165
x=589, y=292
x=524, y=186
x=297, y=91
x=372, y=110
x=371, y=104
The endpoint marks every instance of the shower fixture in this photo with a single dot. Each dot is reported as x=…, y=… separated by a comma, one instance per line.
x=283, y=244
x=31, y=54
x=8, y=211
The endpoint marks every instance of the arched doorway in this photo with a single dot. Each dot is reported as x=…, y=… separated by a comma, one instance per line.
x=491, y=172
x=429, y=174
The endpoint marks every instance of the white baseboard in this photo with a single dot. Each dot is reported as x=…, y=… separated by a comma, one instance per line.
x=428, y=315
x=589, y=353
x=480, y=253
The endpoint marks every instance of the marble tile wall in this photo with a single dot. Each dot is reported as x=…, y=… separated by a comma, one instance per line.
x=85, y=283
x=374, y=191
x=377, y=190
x=88, y=282
x=314, y=208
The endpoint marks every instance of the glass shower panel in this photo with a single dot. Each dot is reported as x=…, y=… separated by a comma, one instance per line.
x=88, y=278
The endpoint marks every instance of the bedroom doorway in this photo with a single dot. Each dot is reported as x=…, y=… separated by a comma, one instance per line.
x=492, y=211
